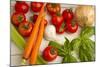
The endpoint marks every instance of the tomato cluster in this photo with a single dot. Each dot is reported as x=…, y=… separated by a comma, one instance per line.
x=71, y=25
x=63, y=22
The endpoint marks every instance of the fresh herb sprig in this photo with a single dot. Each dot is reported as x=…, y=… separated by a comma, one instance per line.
x=84, y=46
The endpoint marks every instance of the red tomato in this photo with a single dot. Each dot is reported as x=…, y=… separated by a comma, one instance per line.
x=21, y=7
x=49, y=53
x=72, y=27
x=34, y=17
x=61, y=28
x=57, y=19
x=68, y=14
x=36, y=6
x=53, y=8
x=18, y=18
x=25, y=29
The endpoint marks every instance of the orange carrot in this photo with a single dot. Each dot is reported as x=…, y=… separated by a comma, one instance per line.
x=31, y=41
x=33, y=57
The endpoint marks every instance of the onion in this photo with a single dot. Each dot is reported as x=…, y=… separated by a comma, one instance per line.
x=84, y=15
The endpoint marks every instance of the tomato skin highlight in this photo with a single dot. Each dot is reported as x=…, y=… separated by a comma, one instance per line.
x=36, y=6
x=21, y=7
x=18, y=18
x=25, y=29
x=50, y=53
x=68, y=14
x=71, y=28
x=53, y=8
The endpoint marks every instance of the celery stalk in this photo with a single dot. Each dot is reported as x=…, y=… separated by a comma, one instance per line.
x=17, y=38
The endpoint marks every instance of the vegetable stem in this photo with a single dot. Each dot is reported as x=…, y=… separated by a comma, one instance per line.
x=23, y=62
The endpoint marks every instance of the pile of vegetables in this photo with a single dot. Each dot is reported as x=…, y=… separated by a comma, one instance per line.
x=79, y=49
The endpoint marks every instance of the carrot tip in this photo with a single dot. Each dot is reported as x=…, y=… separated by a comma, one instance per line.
x=23, y=62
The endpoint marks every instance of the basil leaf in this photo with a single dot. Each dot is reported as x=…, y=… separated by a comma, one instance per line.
x=87, y=50
x=66, y=46
x=55, y=44
x=69, y=59
x=75, y=43
x=87, y=32
x=90, y=45
x=82, y=56
x=67, y=41
x=61, y=53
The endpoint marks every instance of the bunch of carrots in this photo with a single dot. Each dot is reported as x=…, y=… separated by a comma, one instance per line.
x=32, y=46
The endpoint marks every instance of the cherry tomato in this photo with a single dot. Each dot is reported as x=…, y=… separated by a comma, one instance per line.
x=60, y=29
x=57, y=19
x=18, y=18
x=53, y=8
x=72, y=27
x=21, y=7
x=36, y=6
x=49, y=53
x=25, y=29
x=68, y=14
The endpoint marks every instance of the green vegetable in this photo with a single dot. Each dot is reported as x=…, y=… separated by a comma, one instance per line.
x=75, y=43
x=69, y=59
x=20, y=43
x=17, y=38
x=88, y=49
x=41, y=60
x=87, y=32
x=64, y=51
x=84, y=46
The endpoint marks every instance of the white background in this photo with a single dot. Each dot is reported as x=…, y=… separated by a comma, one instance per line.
x=5, y=33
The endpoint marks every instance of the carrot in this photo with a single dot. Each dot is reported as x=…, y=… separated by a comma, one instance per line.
x=31, y=41
x=35, y=50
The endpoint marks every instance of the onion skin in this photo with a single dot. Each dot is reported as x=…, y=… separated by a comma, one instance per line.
x=84, y=15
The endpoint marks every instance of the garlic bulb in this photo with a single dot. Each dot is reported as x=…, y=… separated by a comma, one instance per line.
x=50, y=32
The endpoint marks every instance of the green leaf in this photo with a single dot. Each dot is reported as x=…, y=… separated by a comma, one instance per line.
x=75, y=43
x=82, y=56
x=87, y=32
x=61, y=53
x=87, y=50
x=69, y=59
x=55, y=44
x=66, y=46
